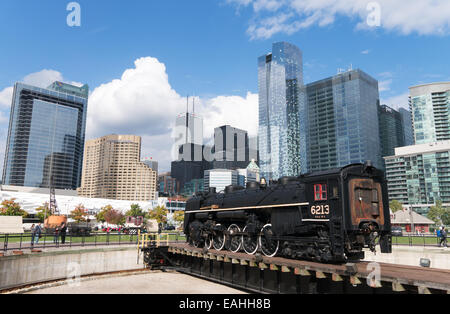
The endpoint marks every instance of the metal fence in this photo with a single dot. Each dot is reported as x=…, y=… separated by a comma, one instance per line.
x=13, y=242
x=417, y=240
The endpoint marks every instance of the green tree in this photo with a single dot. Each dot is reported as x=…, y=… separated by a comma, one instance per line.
x=446, y=217
x=101, y=215
x=178, y=216
x=43, y=212
x=114, y=217
x=79, y=214
x=11, y=208
x=395, y=206
x=136, y=211
x=159, y=213
x=437, y=212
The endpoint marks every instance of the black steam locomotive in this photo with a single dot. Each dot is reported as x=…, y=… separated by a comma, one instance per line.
x=328, y=216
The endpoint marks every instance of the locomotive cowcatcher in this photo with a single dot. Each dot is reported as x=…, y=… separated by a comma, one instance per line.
x=328, y=216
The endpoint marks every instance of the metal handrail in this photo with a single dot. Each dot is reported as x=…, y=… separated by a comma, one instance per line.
x=47, y=240
x=10, y=242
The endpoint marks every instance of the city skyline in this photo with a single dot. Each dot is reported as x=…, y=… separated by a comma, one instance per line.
x=222, y=75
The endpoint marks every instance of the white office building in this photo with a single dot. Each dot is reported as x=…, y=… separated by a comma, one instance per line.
x=220, y=179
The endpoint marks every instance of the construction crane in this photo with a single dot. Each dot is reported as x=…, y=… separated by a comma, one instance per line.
x=56, y=219
x=53, y=205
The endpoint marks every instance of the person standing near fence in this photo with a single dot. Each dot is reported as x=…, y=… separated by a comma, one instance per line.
x=37, y=232
x=63, y=233
x=443, y=237
x=33, y=234
x=56, y=236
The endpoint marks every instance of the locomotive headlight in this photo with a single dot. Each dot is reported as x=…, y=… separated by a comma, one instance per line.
x=263, y=182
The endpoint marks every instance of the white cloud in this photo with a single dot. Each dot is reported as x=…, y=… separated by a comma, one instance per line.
x=239, y=112
x=424, y=17
x=43, y=78
x=365, y=52
x=6, y=97
x=40, y=79
x=142, y=102
x=397, y=102
x=385, y=85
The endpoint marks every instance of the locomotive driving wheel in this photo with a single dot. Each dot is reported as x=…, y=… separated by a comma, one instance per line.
x=234, y=241
x=209, y=242
x=268, y=245
x=219, y=238
x=249, y=241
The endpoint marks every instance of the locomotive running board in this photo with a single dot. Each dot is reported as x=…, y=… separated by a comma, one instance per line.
x=245, y=208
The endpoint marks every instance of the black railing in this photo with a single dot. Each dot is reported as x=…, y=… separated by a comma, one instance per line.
x=417, y=240
x=12, y=242
x=26, y=241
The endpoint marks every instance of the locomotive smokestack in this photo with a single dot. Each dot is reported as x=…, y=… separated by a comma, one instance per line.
x=368, y=166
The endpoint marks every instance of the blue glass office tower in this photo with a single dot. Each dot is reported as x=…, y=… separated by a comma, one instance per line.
x=343, y=125
x=282, y=129
x=46, y=136
x=395, y=129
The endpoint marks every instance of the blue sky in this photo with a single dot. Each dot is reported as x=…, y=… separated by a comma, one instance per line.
x=210, y=48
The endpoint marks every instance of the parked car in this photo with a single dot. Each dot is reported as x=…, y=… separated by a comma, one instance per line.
x=170, y=228
x=397, y=231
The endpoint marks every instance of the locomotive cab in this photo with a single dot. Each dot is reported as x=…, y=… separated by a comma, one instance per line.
x=368, y=207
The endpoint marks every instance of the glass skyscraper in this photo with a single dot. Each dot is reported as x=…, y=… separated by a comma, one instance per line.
x=430, y=107
x=282, y=129
x=46, y=136
x=407, y=126
x=342, y=121
x=395, y=129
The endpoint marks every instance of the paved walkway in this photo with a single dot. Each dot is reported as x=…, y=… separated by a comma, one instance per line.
x=150, y=283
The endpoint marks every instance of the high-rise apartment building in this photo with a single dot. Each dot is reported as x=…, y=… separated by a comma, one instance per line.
x=430, y=108
x=46, y=136
x=112, y=169
x=342, y=121
x=419, y=174
x=282, y=130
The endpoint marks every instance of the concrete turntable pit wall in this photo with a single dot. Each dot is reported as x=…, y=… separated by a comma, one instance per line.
x=22, y=270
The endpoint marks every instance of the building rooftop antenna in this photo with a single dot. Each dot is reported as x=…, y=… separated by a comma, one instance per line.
x=187, y=104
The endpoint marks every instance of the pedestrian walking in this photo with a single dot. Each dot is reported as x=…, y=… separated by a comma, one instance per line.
x=33, y=234
x=63, y=233
x=443, y=237
x=37, y=233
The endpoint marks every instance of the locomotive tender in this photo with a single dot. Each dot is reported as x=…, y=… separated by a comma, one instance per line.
x=328, y=216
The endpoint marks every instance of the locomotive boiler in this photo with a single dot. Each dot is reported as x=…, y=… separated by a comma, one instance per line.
x=328, y=216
